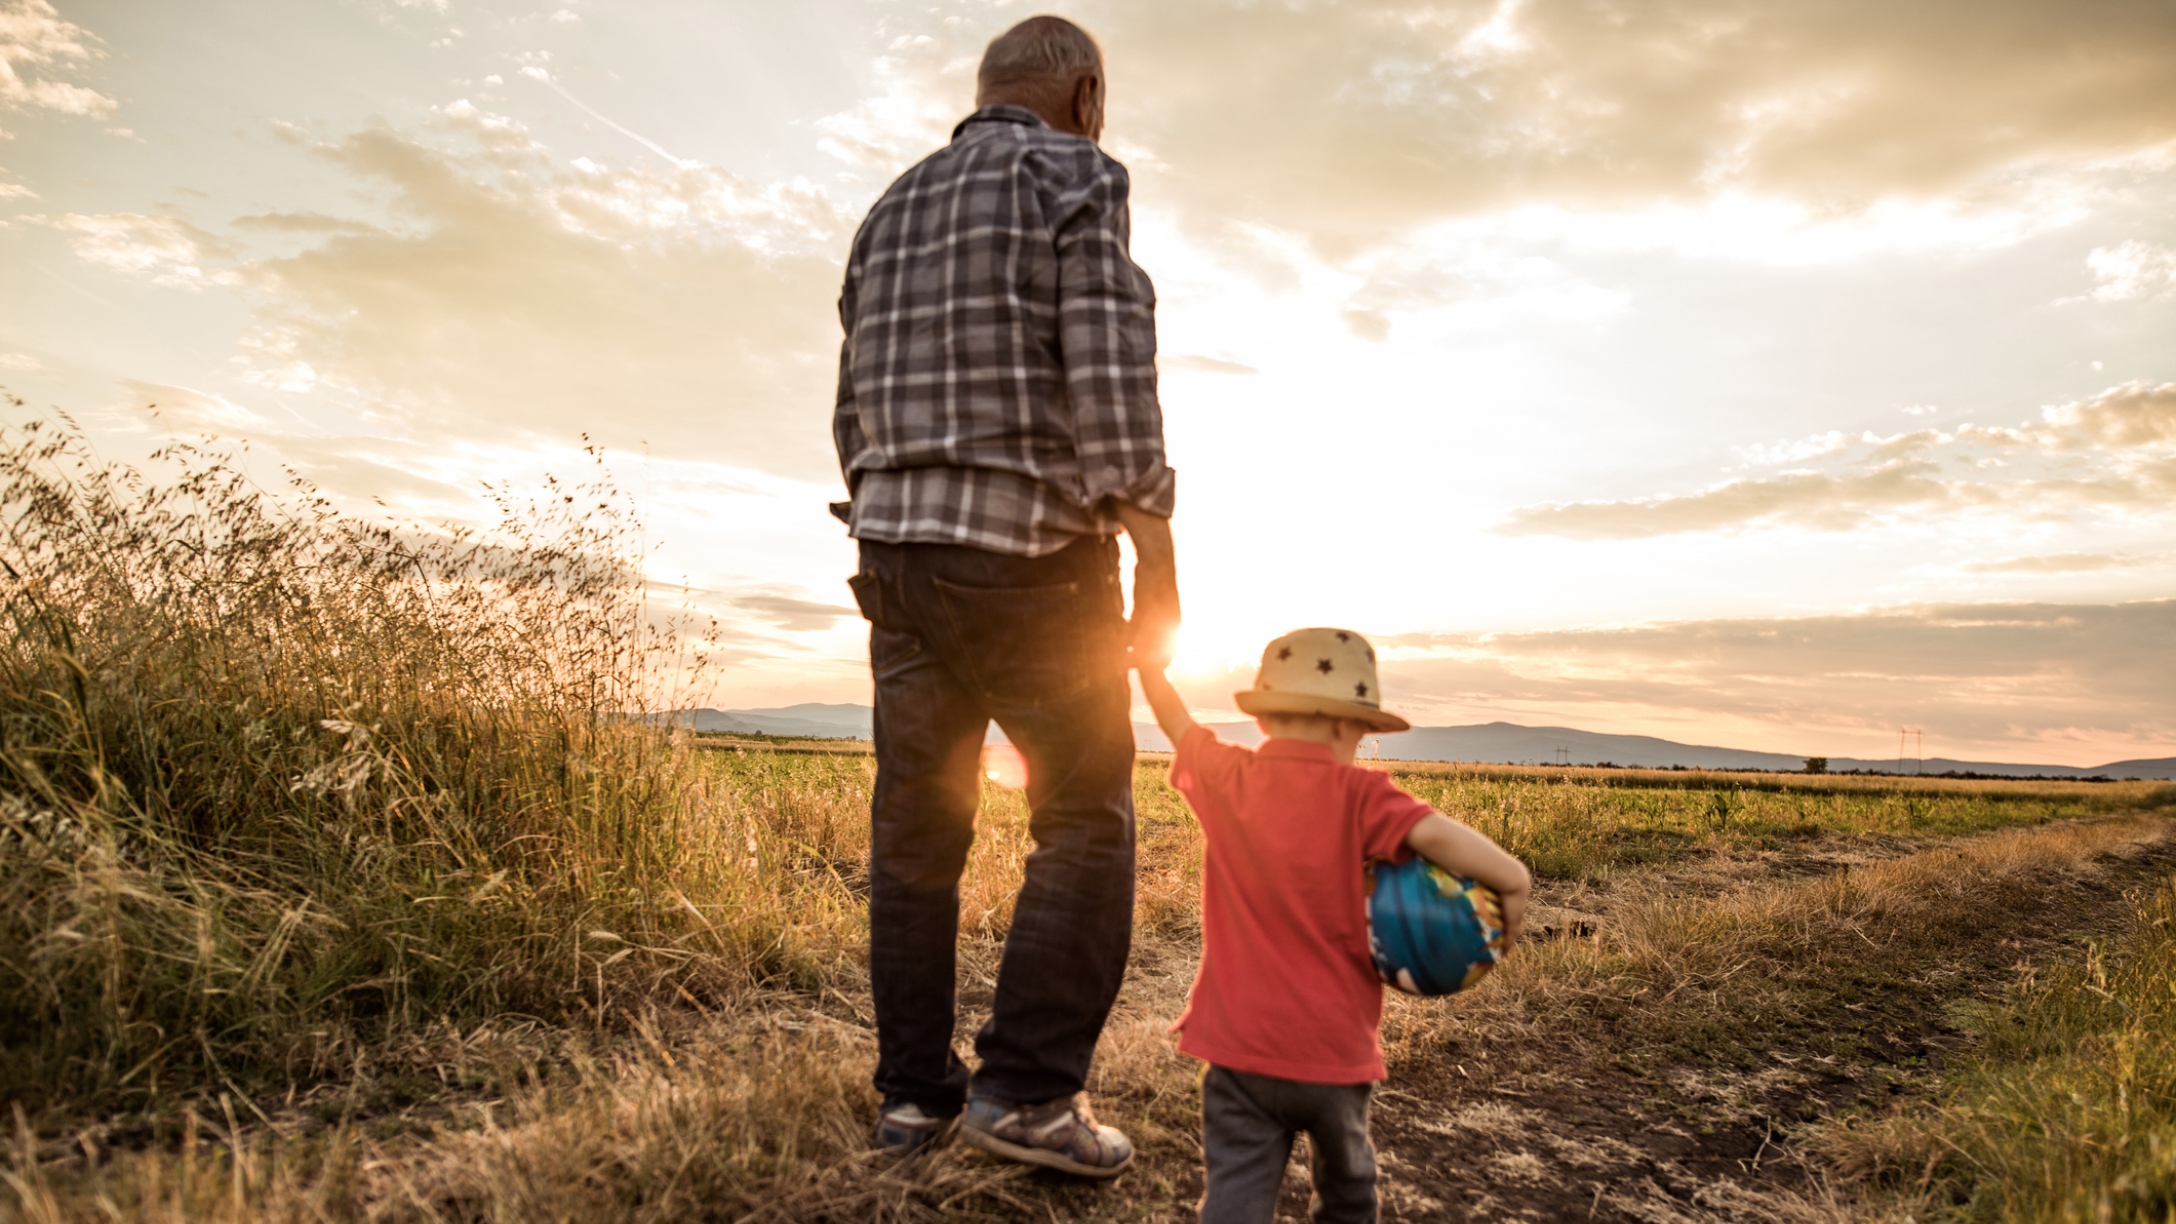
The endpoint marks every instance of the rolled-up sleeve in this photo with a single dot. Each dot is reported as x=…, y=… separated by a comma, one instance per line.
x=1107, y=337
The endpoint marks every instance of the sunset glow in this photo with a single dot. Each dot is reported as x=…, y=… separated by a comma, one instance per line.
x=1729, y=374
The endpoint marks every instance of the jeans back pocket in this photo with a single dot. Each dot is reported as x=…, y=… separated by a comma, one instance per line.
x=1024, y=646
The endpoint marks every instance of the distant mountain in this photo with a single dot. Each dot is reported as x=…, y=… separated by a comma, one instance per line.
x=1501, y=743
x=815, y=720
x=1482, y=743
x=2158, y=767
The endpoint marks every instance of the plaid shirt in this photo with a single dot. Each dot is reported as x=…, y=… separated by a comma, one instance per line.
x=998, y=379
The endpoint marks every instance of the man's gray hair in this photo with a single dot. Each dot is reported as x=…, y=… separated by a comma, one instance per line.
x=1039, y=60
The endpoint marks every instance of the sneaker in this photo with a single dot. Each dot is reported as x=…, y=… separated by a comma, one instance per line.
x=905, y=1128
x=1060, y=1134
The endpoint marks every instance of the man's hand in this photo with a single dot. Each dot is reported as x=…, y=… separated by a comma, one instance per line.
x=1155, y=624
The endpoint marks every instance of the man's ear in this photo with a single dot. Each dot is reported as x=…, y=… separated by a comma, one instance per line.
x=1088, y=105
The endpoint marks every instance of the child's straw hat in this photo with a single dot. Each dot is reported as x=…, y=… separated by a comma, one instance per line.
x=1320, y=671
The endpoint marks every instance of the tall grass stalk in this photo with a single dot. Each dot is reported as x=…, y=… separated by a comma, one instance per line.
x=278, y=784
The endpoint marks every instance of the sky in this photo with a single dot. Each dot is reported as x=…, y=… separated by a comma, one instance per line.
x=1776, y=375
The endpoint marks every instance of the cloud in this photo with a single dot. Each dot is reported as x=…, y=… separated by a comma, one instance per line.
x=2124, y=440
x=791, y=614
x=198, y=411
x=675, y=307
x=353, y=467
x=302, y=223
x=165, y=250
x=2135, y=414
x=2022, y=681
x=2133, y=271
x=1205, y=365
x=1812, y=499
x=2066, y=563
x=1819, y=446
x=33, y=36
x=1353, y=121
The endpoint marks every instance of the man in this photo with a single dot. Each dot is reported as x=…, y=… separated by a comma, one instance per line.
x=997, y=424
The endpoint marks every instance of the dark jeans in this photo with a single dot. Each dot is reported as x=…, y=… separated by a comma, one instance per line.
x=1247, y=1124
x=960, y=636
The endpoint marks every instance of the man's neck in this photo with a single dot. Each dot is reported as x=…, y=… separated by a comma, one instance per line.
x=1057, y=123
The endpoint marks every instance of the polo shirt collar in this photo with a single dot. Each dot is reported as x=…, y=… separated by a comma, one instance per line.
x=1300, y=750
x=1001, y=113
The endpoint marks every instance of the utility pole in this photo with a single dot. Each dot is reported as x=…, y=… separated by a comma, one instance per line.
x=1918, y=738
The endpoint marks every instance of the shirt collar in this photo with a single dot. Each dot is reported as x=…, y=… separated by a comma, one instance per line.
x=1301, y=750
x=1003, y=112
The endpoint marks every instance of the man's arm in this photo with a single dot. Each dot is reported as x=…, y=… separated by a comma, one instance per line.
x=1171, y=712
x=1463, y=851
x=1155, y=622
x=846, y=435
x=1107, y=336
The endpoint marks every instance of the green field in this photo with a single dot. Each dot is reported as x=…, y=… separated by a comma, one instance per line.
x=336, y=883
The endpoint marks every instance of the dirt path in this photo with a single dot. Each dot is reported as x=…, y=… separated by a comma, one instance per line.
x=1722, y=1138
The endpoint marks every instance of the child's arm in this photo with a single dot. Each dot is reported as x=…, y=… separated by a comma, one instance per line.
x=1171, y=712
x=1464, y=852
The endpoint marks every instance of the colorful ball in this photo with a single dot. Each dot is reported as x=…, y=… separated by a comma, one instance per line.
x=1431, y=933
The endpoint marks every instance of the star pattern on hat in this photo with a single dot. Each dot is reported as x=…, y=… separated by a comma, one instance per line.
x=1284, y=654
x=1360, y=689
x=1342, y=636
x=1324, y=666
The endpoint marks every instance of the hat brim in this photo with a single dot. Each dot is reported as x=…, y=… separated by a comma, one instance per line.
x=1256, y=702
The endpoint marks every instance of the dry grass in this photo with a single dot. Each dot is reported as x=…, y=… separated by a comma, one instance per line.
x=2125, y=792
x=2069, y=1111
x=1579, y=824
x=1673, y=980
x=338, y=883
x=280, y=790
x=760, y=1113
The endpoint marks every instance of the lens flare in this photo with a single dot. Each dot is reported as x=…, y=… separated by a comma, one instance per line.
x=1003, y=765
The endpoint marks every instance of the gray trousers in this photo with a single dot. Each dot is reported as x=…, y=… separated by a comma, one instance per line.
x=1247, y=1125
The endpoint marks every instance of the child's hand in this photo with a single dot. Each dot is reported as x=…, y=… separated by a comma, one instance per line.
x=1170, y=711
x=1514, y=907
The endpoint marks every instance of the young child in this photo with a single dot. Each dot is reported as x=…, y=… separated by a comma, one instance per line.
x=1287, y=1002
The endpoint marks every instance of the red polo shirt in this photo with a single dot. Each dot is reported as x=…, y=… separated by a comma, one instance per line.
x=1287, y=987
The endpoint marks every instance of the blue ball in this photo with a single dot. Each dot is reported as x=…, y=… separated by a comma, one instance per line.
x=1431, y=933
